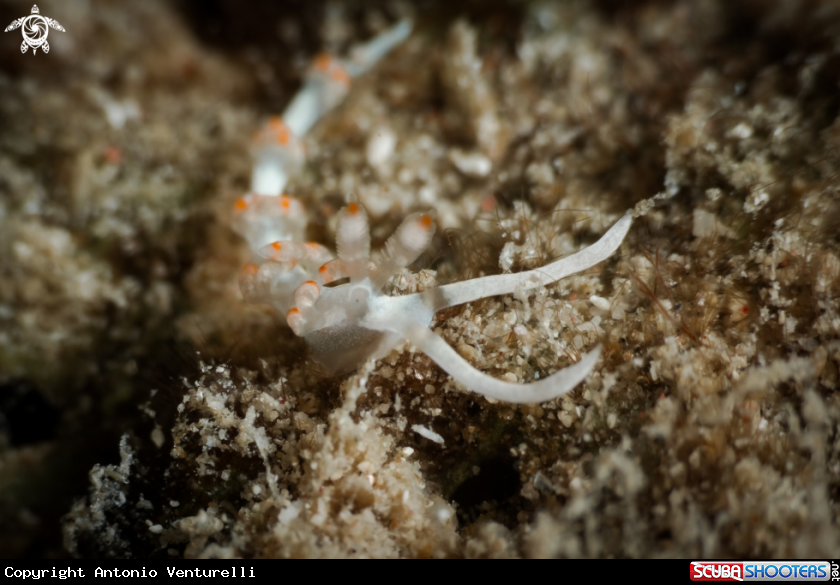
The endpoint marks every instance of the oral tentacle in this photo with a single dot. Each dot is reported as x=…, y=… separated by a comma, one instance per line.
x=462, y=371
x=458, y=293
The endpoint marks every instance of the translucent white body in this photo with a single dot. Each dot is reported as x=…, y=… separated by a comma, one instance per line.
x=277, y=149
x=347, y=324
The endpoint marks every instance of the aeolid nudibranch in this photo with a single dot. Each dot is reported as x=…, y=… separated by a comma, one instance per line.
x=347, y=324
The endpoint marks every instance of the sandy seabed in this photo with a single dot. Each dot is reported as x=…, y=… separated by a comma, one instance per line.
x=147, y=411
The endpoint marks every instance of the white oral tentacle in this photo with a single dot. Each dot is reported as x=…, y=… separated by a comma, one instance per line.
x=462, y=371
x=459, y=293
x=410, y=316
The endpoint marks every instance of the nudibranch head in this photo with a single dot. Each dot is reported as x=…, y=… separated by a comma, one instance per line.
x=351, y=322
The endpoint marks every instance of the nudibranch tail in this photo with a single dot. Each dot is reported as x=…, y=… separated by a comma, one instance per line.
x=328, y=79
x=277, y=147
x=325, y=86
x=365, y=56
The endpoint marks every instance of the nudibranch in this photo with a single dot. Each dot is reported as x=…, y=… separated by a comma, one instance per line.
x=351, y=322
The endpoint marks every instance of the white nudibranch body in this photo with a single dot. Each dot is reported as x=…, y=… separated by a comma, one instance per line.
x=349, y=323
x=277, y=148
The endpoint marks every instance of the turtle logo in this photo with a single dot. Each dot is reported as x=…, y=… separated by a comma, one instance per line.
x=35, y=30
